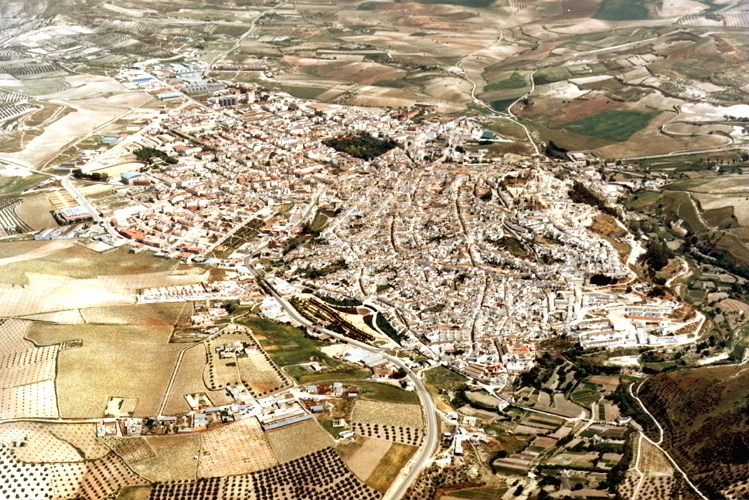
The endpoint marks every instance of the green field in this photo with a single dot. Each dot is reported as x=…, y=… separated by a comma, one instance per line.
x=550, y=75
x=285, y=344
x=368, y=5
x=612, y=125
x=375, y=391
x=622, y=10
x=516, y=81
x=502, y=105
x=585, y=394
x=443, y=378
x=476, y=4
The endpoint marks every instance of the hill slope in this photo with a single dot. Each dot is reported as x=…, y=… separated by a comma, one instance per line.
x=705, y=415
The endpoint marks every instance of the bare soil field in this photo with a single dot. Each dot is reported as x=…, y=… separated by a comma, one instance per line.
x=189, y=380
x=121, y=361
x=233, y=449
x=162, y=314
x=165, y=458
x=40, y=445
x=365, y=460
x=35, y=211
x=287, y=445
x=89, y=114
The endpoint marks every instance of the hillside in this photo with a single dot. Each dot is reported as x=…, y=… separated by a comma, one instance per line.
x=42, y=8
x=705, y=415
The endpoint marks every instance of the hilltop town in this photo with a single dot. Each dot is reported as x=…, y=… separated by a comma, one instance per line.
x=468, y=259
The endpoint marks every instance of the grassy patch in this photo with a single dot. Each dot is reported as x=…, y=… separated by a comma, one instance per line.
x=319, y=222
x=327, y=424
x=368, y=6
x=550, y=75
x=502, y=105
x=14, y=185
x=390, y=466
x=375, y=391
x=612, y=125
x=343, y=372
x=285, y=344
x=516, y=81
x=621, y=10
x=479, y=493
x=443, y=378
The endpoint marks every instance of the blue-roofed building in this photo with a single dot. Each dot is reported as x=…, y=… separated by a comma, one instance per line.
x=110, y=140
x=141, y=80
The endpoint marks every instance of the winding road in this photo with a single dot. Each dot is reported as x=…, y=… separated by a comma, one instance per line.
x=409, y=474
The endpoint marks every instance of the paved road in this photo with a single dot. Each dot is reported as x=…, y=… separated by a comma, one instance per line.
x=409, y=474
x=77, y=196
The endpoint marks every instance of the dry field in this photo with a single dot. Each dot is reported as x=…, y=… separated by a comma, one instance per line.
x=733, y=305
x=740, y=204
x=189, y=380
x=114, y=361
x=394, y=414
x=652, y=460
x=32, y=293
x=364, y=460
x=39, y=445
x=165, y=313
x=88, y=115
x=287, y=445
x=68, y=317
x=159, y=458
x=233, y=449
x=35, y=211
x=27, y=373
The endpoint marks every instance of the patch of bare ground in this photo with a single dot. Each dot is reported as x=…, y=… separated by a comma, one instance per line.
x=237, y=448
x=364, y=460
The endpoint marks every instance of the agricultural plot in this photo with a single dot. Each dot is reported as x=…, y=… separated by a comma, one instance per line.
x=573, y=459
x=189, y=380
x=164, y=313
x=106, y=476
x=365, y=459
x=27, y=387
x=253, y=369
x=132, y=362
x=390, y=466
x=288, y=446
x=612, y=125
x=393, y=414
x=237, y=448
x=320, y=475
x=35, y=443
x=159, y=458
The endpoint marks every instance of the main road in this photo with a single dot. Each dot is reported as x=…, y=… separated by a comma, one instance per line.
x=398, y=489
